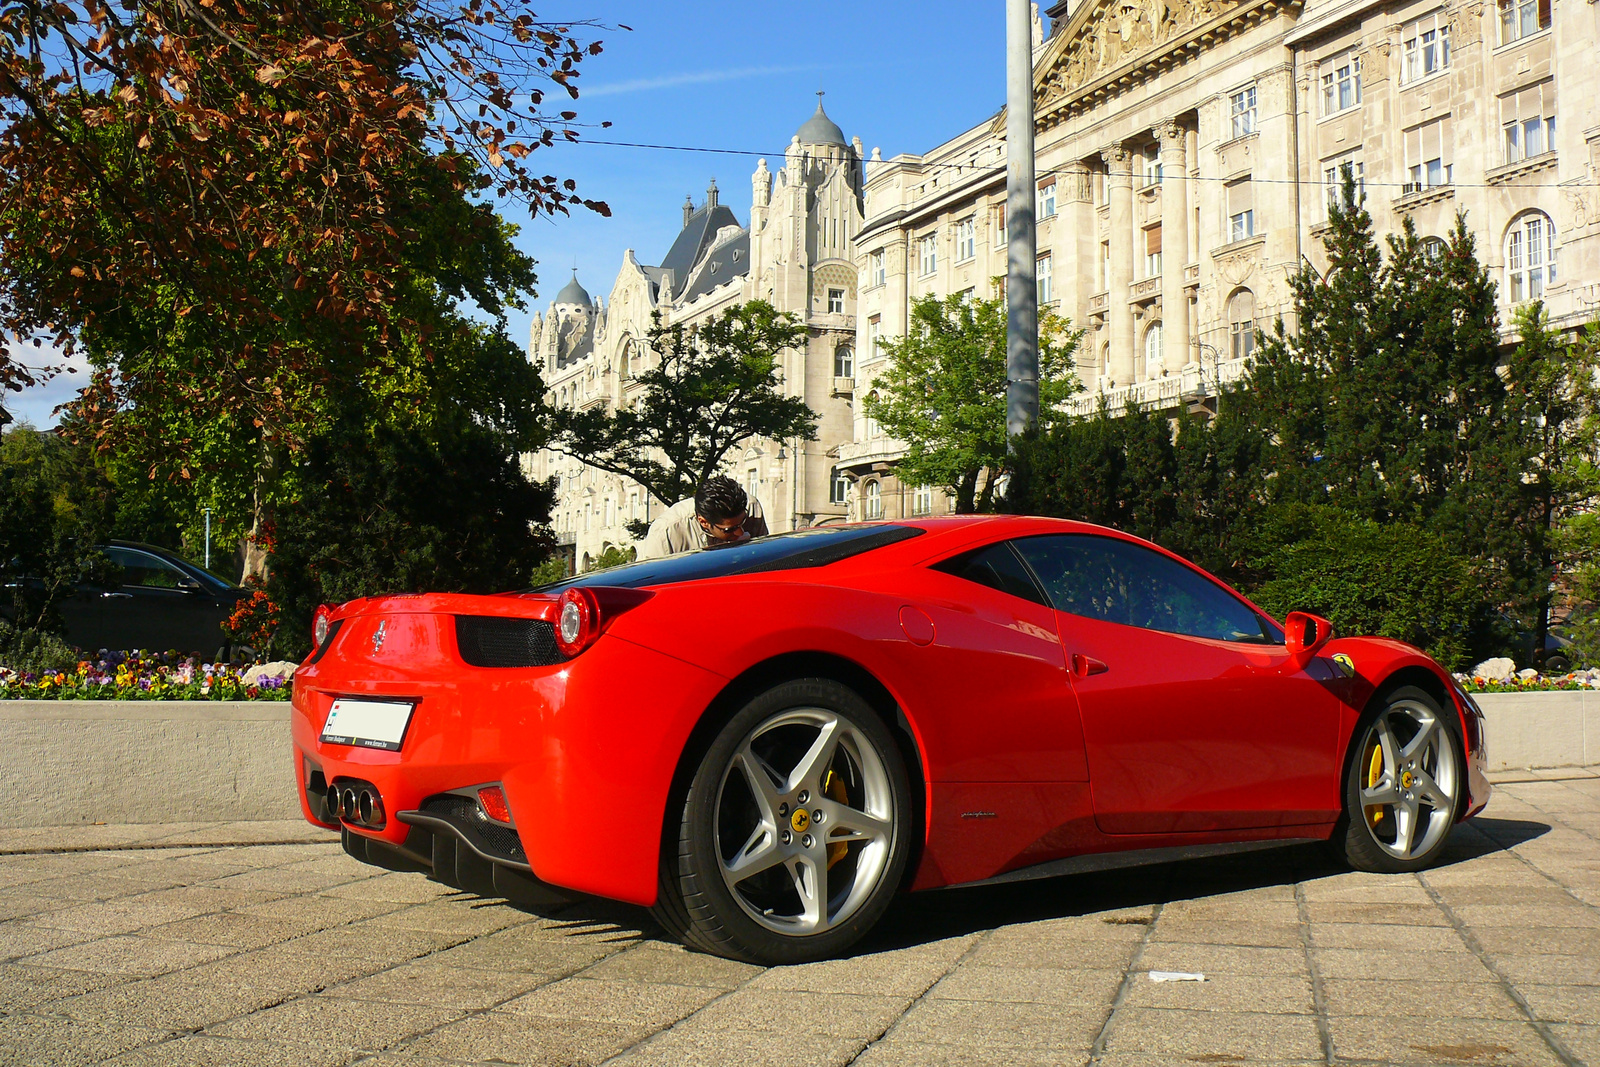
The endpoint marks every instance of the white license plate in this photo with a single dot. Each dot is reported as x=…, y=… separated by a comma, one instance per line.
x=367, y=723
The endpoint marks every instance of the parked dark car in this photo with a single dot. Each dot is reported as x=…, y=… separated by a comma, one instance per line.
x=157, y=600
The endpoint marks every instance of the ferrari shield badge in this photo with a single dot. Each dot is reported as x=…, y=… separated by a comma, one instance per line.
x=1346, y=665
x=377, y=636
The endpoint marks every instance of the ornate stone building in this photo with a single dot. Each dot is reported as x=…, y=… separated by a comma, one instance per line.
x=797, y=254
x=1187, y=151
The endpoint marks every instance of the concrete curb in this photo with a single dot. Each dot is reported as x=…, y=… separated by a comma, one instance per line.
x=81, y=763
x=77, y=763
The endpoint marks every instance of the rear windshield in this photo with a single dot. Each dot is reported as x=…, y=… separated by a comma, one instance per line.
x=815, y=547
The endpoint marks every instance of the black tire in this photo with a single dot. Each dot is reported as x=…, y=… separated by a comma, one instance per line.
x=1557, y=664
x=1427, y=786
x=860, y=786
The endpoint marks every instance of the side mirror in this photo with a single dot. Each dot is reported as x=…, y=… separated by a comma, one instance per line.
x=1305, y=635
x=189, y=585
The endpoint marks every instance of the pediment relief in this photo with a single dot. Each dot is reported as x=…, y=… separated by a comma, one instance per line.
x=1110, y=36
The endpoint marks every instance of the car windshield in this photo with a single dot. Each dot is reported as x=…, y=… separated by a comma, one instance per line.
x=814, y=547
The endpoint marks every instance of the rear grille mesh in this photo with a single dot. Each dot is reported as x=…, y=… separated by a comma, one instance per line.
x=501, y=841
x=492, y=641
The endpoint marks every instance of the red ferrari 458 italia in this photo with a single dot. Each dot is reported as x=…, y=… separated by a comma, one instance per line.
x=766, y=742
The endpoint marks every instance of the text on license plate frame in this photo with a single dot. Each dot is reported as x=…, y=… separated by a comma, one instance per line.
x=380, y=724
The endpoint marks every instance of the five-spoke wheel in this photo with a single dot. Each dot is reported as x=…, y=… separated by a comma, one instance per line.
x=800, y=806
x=1405, y=784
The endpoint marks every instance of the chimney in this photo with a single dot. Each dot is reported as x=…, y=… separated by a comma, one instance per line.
x=688, y=209
x=711, y=195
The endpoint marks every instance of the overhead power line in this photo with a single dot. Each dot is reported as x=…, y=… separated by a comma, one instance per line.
x=998, y=170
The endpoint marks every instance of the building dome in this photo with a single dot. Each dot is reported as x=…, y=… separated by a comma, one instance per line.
x=573, y=293
x=820, y=129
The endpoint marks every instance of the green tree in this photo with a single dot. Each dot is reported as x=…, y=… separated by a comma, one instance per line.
x=712, y=385
x=400, y=510
x=1393, y=579
x=55, y=511
x=944, y=394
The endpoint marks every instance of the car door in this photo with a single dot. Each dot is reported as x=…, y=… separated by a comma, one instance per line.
x=156, y=606
x=1002, y=675
x=1194, y=718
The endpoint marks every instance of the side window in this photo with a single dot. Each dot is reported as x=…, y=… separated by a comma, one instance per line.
x=997, y=567
x=1117, y=581
x=145, y=570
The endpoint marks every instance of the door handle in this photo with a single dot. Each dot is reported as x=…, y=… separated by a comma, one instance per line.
x=116, y=596
x=1084, y=666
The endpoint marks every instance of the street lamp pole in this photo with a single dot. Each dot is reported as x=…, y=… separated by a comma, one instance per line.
x=208, y=538
x=1022, y=295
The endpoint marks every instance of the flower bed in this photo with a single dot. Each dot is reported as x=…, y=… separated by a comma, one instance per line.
x=145, y=676
x=1531, y=682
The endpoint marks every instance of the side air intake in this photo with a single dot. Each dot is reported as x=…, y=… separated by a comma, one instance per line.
x=492, y=641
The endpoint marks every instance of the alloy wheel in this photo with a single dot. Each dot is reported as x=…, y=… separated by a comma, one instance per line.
x=1410, y=780
x=804, y=821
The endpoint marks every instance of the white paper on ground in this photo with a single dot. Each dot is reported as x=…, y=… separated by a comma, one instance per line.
x=1176, y=976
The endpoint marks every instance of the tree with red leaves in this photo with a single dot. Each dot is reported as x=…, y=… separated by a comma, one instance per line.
x=233, y=206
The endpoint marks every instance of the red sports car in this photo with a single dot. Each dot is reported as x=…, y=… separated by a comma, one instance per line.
x=766, y=742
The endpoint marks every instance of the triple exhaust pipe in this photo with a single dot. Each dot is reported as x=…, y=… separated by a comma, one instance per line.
x=355, y=802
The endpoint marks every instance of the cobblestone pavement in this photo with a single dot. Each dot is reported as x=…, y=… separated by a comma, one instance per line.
x=191, y=945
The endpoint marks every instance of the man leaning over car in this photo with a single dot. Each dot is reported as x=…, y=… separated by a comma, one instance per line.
x=718, y=514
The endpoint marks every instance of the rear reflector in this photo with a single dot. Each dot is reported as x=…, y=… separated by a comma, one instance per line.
x=492, y=799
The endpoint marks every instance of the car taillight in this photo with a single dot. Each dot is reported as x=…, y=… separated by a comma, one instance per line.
x=320, y=624
x=492, y=799
x=577, y=621
x=583, y=613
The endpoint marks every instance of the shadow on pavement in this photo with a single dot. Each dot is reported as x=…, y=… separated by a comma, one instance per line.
x=942, y=913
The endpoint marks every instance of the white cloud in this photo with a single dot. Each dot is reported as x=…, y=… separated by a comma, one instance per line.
x=37, y=405
x=672, y=81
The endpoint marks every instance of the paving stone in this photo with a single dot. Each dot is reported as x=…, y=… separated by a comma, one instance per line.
x=205, y=1050
x=505, y=1037
x=449, y=917
x=551, y=960
x=401, y=888
x=1564, y=1003
x=999, y=1025
x=145, y=956
x=674, y=966
x=1569, y=915
x=1034, y=985
x=1037, y=950
x=1376, y=913
x=1581, y=1041
x=116, y=917
x=1408, y=966
x=687, y=1047
x=1216, y=1036
x=464, y=988
x=22, y=988
x=334, y=1022
x=654, y=1006
x=1533, y=969
x=1419, y=999
x=171, y=1002
x=1541, y=940
x=792, y=1011
x=1388, y=937
x=1275, y=994
x=905, y=972
x=20, y=938
x=230, y=929
x=1227, y=932
x=896, y=1052
x=1440, y=1040
x=319, y=910
x=38, y=1041
x=1222, y=959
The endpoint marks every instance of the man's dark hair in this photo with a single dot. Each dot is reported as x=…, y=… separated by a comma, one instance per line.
x=720, y=498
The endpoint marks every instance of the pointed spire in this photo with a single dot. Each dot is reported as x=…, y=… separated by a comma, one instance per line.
x=711, y=194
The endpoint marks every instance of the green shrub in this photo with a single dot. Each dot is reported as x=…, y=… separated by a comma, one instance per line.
x=1392, y=580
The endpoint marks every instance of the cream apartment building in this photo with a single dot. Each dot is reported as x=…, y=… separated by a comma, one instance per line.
x=1187, y=151
x=796, y=253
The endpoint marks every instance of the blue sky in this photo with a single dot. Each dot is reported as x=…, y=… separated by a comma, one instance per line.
x=718, y=74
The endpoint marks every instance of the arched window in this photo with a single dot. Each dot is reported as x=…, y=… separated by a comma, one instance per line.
x=1433, y=249
x=874, y=500
x=1242, y=323
x=1530, y=257
x=1153, y=364
x=844, y=362
x=625, y=367
x=1105, y=361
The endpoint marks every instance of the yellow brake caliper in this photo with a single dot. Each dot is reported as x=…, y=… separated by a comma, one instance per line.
x=833, y=786
x=1374, y=774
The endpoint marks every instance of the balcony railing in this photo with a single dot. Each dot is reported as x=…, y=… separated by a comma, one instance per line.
x=1194, y=381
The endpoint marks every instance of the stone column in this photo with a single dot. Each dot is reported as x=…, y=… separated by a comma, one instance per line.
x=1119, y=316
x=1175, y=247
x=1080, y=266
